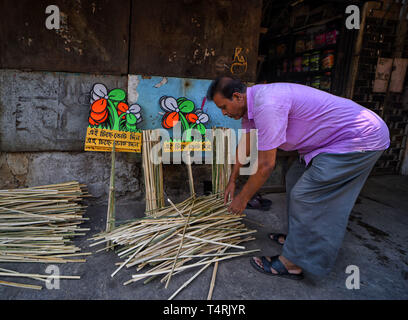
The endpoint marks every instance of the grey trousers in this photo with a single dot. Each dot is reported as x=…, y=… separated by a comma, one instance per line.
x=320, y=198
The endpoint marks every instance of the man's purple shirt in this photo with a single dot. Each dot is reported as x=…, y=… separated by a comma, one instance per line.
x=297, y=117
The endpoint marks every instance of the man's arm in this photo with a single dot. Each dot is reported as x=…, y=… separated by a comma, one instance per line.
x=266, y=164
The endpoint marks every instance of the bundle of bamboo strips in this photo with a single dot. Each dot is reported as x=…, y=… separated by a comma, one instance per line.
x=153, y=174
x=171, y=240
x=221, y=166
x=38, y=223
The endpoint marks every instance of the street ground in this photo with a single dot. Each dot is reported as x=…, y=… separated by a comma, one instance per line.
x=376, y=242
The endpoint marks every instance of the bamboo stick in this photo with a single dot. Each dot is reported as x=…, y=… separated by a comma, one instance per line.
x=132, y=256
x=110, y=217
x=182, y=240
x=189, y=281
x=214, y=275
x=15, y=272
x=205, y=255
x=215, y=242
x=20, y=285
x=172, y=204
x=190, y=174
x=29, y=275
x=193, y=277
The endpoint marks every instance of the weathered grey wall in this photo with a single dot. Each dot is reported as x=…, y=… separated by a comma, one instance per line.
x=43, y=121
x=195, y=39
x=22, y=169
x=93, y=36
x=47, y=111
x=44, y=115
x=190, y=38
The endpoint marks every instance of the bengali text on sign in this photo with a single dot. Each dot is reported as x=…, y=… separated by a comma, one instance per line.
x=171, y=146
x=103, y=139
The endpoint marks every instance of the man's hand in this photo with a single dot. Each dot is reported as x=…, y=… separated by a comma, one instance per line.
x=229, y=191
x=244, y=144
x=237, y=205
x=266, y=164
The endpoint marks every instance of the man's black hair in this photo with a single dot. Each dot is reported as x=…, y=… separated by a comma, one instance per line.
x=225, y=86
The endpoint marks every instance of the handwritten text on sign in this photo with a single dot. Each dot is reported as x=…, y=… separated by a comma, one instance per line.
x=102, y=140
x=170, y=146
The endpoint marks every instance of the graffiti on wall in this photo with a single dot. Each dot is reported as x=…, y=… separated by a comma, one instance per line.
x=109, y=110
x=239, y=64
x=183, y=111
x=112, y=122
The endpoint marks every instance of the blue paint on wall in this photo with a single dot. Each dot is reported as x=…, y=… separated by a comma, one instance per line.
x=193, y=89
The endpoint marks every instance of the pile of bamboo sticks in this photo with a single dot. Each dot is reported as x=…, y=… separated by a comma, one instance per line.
x=195, y=232
x=192, y=233
x=37, y=224
x=153, y=174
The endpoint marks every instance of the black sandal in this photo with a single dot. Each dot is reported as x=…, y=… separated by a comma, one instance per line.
x=259, y=203
x=276, y=264
x=275, y=237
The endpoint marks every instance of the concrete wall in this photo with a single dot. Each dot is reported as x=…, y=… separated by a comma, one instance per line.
x=196, y=39
x=43, y=120
x=46, y=111
x=23, y=169
x=44, y=115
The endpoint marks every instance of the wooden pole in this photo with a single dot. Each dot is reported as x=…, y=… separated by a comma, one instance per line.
x=110, y=218
x=190, y=174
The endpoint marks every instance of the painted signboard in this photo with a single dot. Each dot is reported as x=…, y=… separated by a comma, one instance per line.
x=112, y=121
x=169, y=102
x=147, y=91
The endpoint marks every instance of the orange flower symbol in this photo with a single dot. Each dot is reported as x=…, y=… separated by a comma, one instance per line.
x=99, y=112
